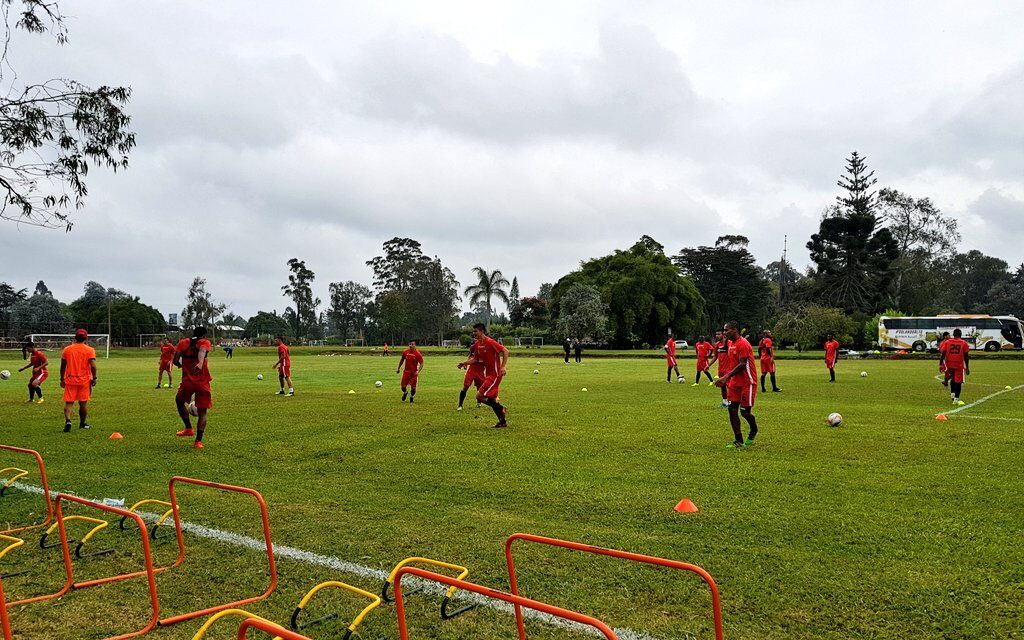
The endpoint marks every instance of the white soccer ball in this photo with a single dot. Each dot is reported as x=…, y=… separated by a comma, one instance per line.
x=835, y=419
x=5, y=374
x=259, y=376
x=378, y=384
x=192, y=410
x=535, y=372
x=863, y=374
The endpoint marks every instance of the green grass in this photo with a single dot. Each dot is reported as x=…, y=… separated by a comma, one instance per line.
x=891, y=526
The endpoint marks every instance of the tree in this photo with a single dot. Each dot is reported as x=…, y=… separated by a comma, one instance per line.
x=489, y=285
x=871, y=326
x=544, y=293
x=346, y=313
x=730, y=282
x=854, y=258
x=433, y=300
x=94, y=296
x=9, y=296
x=921, y=233
x=42, y=290
x=232, y=320
x=391, y=312
x=266, y=324
x=808, y=325
x=645, y=294
x=200, y=309
x=39, y=314
x=128, y=318
x=394, y=270
x=51, y=132
x=965, y=279
x=513, y=303
x=1006, y=297
x=783, y=279
x=582, y=313
x=534, y=312
x=300, y=290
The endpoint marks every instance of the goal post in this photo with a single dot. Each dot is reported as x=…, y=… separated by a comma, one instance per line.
x=98, y=341
x=150, y=339
x=529, y=341
x=355, y=342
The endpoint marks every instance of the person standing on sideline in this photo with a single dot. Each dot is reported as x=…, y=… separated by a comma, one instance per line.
x=954, y=354
x=192, y=357
x=567, y=347
x=39, y=373
x=494, y=356
x=703, y=349
x=577, y=348
x=831, y=355
x=77, y=378
x=670, y=359
x=722, y=358
x=387, y=350
x=284, y=367
x=741, y=382
x=766, y=353
x=166, y=356
x=413, y=359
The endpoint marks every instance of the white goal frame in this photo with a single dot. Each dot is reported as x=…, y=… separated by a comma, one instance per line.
x=68, y=338
x=355, y=342
x=452, y=344
x=150, y=335
x=534, y=341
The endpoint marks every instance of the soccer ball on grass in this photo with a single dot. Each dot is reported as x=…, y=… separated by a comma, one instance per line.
x=192, y=410
x=259, y=376
x=835, y=419
x=863, y=374
x=5, y=374
x=378, y=384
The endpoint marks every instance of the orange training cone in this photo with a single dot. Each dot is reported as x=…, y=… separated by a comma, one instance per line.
x=686, y=506
x=941, y=417
x=116, y=436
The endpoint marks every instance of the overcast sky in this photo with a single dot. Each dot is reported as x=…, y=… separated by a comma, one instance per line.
x=521, y=136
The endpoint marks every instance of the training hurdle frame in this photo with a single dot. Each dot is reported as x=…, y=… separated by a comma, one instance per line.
x=716, y=603
x=463, y=572
x=260, y=624
x=69, y=584
x=517, y=601
x=5, y=624
x=46, y=488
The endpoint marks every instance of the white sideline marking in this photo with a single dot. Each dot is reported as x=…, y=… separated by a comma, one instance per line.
x=363, y=571
x=993, y=418
x=981, y=400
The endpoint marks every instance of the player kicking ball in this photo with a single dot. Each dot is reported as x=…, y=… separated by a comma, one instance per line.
x=192, y=357
x=741, y=384
x=954, y=355
x=494, y=357
x=37, y=362
x=413, y=360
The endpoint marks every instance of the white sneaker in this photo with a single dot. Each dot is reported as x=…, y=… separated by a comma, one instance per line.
x=458, y=408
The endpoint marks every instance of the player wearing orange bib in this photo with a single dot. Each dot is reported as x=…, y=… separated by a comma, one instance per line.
x=494, y=357
x=766, y=353
x=413, y=359
x=284, y=367
x=39, y=373
x=831, y=354
x=192, y=356
x=166, y=357
x=741, y=381
x=475, y=374
x=954, y=353
x=77, y=378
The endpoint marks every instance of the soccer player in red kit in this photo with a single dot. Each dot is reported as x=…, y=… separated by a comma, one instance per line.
x=670, y=358
x=192, y=356
x=284, y=367
x=766, y=353
x=413, y=359
x=475, y=374
x=741, y=382
x=39, y=373
x=494, y=357
x=703, y=349
x=954, y=354
x=166, y=356
x=721, y=356
x=831, y=354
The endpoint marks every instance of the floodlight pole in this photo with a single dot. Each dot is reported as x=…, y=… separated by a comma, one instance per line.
x=109, y=332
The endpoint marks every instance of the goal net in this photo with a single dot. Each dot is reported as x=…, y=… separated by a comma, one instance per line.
x=355, y=342
x=451, y=344
x=530, y=341
x=53, y=341
x=151, y=339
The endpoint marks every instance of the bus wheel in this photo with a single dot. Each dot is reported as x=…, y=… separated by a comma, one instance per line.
x=991, y=346
x=919, y=347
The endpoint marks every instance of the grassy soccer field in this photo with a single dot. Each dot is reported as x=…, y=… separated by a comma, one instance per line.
x=892, y=526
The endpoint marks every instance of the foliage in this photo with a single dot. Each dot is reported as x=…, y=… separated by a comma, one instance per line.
x=53, y=131
x=807, y=325
x=544, y=293
x=200, y=308
x=39, y=314
x=433, y=300
x=264, y=323
x=514, y=302
x=303, y=316
x=489, y=284
x=729, y=280
x=94, y=296
x=582, y=313
x=233, y=320
x=348, y=305
x=644, y=292
x=1006, y=297
x=128, y=318
x=396, y=269
x=871, y=326
x=9, y=296
x=532, y=312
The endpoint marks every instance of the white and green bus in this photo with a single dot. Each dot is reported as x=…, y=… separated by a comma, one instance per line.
x=990, y=333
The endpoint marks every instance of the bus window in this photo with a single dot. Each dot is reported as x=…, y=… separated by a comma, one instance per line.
x=1010, y=331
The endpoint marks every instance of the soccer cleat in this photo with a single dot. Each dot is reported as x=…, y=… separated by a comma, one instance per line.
x=84, y=426
x=291, y=393
x=500, y=425
x=39, y=401
x=67, y=427
x=725, y=403
x=29, y=401
x=404, y=396
x=185, y=433
x=458, y=408
x=280, y=393
x=735, y=445
x=776, y=390
x=157, y=386
x=711, y=384
x=412, y=399
x=749, y=442
x=763, y=390
x=197, y=445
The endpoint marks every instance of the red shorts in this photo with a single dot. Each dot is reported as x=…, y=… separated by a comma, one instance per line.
x=767, y=366
x=489, y=387
x=285, y=371
x=671, y=361
x=744, y=394
x=409, y=378
x=77, y=392
x=201, y=390
x=474, y=377
x=165, y=365
x=38, y=379
x=831, y=364
x=702, y=365
x=956, y=375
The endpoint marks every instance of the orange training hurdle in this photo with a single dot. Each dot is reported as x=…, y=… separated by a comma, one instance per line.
x=46, y=488
x=613, y=553
x=267, y=627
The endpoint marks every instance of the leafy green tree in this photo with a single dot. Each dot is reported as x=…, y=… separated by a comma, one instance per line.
x=347, y=310
x=489, y=284
x=854, y=257
x=233, y=320
x=965, y=279
x=808, y=325
x=39, y=314
x=52, y=132
x=9, y=296
x=300, y=289
x=94, y=296
x=42, y=290
x=395, y=270
x=433, y=301
x=514, y=301
x=544, y=293
x=534, y=311
x=730, y=282
x=644, y=292
x=391, y=315
x=871, y=326
x=266, y=324
x=128, y=318
x=1006, y=297
x=784, y=280
x=582, y=313
x=200, y=308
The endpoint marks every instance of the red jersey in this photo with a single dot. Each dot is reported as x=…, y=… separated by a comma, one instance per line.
x=189, y=358
x=166, y=352
x=670, y=348
x=488, y=352
x=38, y=360
x=703, y=350
x=831, y=349
x=724, y=359
x=476, y=367
x=412, y=360
x=741, y=351
x=954, y=350
x=283, y=355
x=765, y=350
